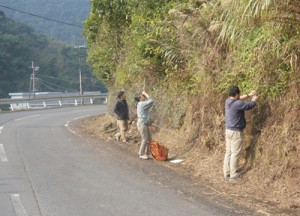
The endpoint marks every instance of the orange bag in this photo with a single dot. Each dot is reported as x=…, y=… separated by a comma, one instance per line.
x=159, y=152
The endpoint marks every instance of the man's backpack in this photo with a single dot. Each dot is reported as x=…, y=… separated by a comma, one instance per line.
x=159, y=152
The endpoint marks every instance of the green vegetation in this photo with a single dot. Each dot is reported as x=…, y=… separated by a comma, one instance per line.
x=188, y=52
x=182, y=44
x=58, y=64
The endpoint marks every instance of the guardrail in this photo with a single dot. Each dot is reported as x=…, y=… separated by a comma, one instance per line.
x=54, y=101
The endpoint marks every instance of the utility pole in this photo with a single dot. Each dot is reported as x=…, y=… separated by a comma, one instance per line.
x=80, y=80
x=32, y=77
x=80, y=74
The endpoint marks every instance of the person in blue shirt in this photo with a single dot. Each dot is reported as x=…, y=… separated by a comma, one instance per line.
x=145, y=102
x=235, y=123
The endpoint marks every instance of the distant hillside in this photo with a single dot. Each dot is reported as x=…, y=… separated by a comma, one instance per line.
x=70, y=11
x=58, y=64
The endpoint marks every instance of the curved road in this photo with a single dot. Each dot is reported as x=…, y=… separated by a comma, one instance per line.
x=46, y=169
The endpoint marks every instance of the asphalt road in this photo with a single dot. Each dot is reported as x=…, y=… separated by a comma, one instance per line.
x=47, y=169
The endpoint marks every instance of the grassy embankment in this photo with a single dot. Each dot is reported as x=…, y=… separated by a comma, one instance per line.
x=189, y=53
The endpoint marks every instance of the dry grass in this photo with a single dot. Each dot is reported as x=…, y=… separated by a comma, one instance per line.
x=270, y=184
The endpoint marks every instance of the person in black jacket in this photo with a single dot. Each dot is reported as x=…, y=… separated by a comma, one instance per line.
x=122, y=112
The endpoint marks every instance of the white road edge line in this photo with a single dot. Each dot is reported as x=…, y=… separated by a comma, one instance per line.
x=67, y=126
x=71, y=130
x=18, y=205
x=1, y=129
x=81, y=117
x=2, y=154
x=68, y=122
x=19, y=119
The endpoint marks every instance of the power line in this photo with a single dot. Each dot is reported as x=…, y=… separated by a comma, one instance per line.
x=67, y=80
x=51, y=84
x=46, y=18
x=93, y=80
x=49, y=87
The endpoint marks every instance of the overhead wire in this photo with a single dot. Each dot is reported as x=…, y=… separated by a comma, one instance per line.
x=42, y=17
x=77, y=81
x=51, y=77
x=54, y=20
x=58, y=87
x=49, y=87
x=63, y=88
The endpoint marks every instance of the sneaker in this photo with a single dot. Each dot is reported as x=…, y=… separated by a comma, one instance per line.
x=227, y=177
x=235, y=177
x=144, y=157
x=117, y=137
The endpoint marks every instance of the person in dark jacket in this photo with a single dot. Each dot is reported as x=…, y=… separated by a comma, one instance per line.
x=235, y=123
x=122, y=112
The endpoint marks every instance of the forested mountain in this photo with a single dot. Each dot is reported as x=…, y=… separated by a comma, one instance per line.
x=69, y=11
x=188, y=53
x=58, y=64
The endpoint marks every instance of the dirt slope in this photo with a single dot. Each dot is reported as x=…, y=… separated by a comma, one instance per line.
x=268, y=195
